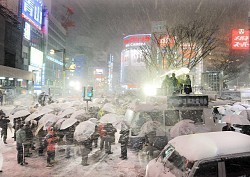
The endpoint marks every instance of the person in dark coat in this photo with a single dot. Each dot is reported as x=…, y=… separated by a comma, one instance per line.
x=165, y=86
x=29, y=138
x=228, y=127
x=20, y=140
x=187, y=85
x=124, y=137
x=95, y=136
x=4, y=121
x=110, y=137
x=86, y=148
x=174, y=85
x=1, y=97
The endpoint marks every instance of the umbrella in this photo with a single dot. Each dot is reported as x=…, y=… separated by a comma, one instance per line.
x=184, y=127
x=237, y=107
x=31, y=117
x=150, y=126
x=67, y=112
x=20, y=113
x=110, y=118
x=38, y=129
x=59, y=122
x=94, y=120
x=50, y=122
x=47, y=117
x=67, y=123
x=109, y=108
x=235, y=119
x=121, y=125
x=245, y=114
x=77, y=114
x=84, y=130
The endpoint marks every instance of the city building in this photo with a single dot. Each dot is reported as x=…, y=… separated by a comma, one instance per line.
x=14, y=78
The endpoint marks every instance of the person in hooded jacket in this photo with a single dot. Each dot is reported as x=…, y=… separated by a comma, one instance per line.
x=124, y=143
x=1, y=157
x=51, y=140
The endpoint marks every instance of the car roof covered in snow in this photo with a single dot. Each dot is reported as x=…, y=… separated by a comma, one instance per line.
x=207, y=145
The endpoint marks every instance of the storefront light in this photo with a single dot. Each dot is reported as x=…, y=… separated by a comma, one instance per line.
x=2, y=77
x=19, y=79
x=11, y=79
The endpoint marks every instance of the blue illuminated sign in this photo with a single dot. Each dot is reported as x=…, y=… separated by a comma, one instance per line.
x=32, y=11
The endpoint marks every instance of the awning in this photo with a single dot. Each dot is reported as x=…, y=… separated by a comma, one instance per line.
x=10, y=72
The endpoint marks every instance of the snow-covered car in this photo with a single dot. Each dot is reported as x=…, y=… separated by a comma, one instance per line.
x=221, y=154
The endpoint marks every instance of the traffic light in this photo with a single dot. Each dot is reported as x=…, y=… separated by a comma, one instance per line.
x=89, y=91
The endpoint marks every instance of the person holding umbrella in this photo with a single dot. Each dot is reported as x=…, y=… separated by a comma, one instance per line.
x=86, y=148
x=20, y=140
x=4, y=122
x=124, y=143
x=51, y=140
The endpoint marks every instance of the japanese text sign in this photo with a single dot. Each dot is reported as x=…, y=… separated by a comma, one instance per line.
x=240, y=39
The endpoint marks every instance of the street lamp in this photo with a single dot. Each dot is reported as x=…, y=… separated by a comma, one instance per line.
x=52, y=52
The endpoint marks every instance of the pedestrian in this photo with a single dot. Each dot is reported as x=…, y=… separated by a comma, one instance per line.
x=51, y=140
x=95, y=136
x=29, y=138
x=174, y=85
x=4, y=122
x=1, y=156
x=20, y=140
x=69, y=137
x=110, y=137
x=102, y=132
x=228, y=127
x=124, y=143
x=86, y=148
x=165, y=86
x=187, y=85
x=1, y=97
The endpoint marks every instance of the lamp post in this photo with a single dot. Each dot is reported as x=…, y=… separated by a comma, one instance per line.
x=53, y=51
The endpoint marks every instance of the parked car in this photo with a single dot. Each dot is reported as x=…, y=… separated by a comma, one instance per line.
x=212, y=154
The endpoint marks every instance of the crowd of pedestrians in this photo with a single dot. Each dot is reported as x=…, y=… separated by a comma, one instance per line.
x=46, y=140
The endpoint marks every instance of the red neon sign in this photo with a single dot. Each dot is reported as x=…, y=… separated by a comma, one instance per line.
x=240, y=39
x=137, y=39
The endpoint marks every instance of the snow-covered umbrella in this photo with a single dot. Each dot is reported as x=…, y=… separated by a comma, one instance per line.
x=110, y=118
x=31, y=117
x=151, y=126
x=79, y=113
x=59, y=122
x=184, y=127
x=237, y=107
x=84, y=130
x=67, y=112
x=67, y=123
x=245, y=114
x=109, y=108
x=121, y=125
x=50, y=122
x=47, y=117
x=21, y=113
x=94, y=120
x=235, y=119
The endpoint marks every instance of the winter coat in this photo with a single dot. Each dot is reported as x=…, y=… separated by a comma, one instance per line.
x=20, y=136
x=124, y=137
x=110, y=129
x=51, y=140
x=4, y=123
x=87, y=144
x=102, y=132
